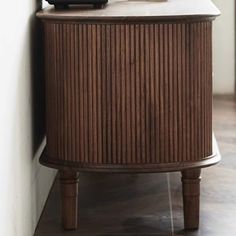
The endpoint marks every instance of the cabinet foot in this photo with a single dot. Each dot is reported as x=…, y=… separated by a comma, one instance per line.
x=69, y=199
x=191, y=197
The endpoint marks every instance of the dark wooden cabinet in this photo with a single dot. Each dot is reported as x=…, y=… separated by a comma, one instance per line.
x=129, y=89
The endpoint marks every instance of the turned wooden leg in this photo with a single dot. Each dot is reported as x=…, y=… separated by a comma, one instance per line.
x=69, y=201
x=191, y=196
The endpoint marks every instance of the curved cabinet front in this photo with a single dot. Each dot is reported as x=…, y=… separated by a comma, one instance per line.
x=128, y=97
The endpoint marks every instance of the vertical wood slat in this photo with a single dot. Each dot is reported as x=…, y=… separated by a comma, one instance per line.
x=90, y=95
x=118, y=94
x=161, y=95
x=99, y=92
x=152, y=105
x=113, y=96
x=180, y=90
x=123, y=95
x=141, y=98
x=128, y=94
x=138, y=132
x=133, y=94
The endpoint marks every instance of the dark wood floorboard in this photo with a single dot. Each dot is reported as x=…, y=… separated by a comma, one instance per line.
x=128, y=205
x=114, y=205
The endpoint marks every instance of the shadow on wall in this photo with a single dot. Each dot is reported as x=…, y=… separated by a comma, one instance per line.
x=37, y=79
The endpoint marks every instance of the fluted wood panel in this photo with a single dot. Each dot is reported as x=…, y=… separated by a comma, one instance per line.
x=128, y=93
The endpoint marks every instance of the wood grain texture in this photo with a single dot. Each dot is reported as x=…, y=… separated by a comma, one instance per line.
x=191, y=198
x=128, y=95
x=69, y=199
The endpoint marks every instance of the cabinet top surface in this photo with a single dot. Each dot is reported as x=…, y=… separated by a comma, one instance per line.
x=136, y=9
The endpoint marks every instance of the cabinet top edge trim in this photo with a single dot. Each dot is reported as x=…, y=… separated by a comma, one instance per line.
x=133, y=9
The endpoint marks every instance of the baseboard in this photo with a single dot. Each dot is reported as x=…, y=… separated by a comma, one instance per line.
x=41, y=186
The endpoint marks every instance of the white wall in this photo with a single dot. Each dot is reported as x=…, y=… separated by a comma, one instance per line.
x=24, y=184
x=224, y=48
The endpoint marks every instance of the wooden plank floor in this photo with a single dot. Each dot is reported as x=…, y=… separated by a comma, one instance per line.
x=151, y=204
